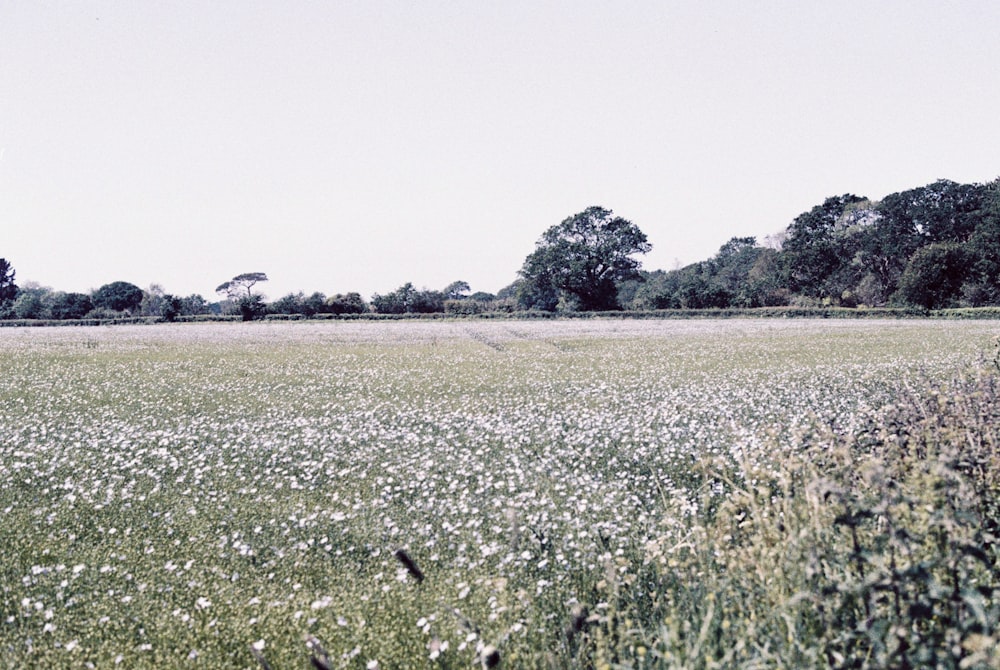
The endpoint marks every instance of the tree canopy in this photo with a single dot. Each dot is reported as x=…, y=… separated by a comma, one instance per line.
x=583, y=260
x=8, y=289
x=118, y=296
x=235, y=287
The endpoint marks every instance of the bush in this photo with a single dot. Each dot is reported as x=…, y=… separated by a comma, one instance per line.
x=252, y=308
x=463, y=307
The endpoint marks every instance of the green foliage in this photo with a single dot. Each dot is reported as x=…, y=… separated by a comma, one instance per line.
x=817, y=247
x=741, y=275
x=932, y=247
x=935, y=274
x=8, y=288
x=583, y=260
x=463, y=307
x=119, y=296
x=349, y=303
x=70, y=306
x=251, y=307
x=33, y=303
x=408, y=300
x=194, y=304
x=457, y=290
x=172, y=308
x=399, y=301
x=299, y=303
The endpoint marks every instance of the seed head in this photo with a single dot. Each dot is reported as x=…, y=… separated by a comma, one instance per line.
x=410, y=566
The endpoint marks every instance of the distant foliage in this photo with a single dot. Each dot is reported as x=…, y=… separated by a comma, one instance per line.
x=933, y=247
x=251, y=308
x=241, y=285
x=580, y=263
x=408, y=300
x=937, y=246
x=299, y=303
x=70, y=306
x=346, y=303
x=8, y=289
x=119, y=296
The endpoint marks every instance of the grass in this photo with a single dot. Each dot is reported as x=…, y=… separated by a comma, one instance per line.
x=574, y=494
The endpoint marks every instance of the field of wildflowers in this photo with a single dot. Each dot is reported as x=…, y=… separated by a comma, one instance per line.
x=601, y=494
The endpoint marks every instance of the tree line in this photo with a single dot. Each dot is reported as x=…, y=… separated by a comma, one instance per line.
x=934, y=246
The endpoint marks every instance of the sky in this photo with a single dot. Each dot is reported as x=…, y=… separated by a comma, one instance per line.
x=357, y=145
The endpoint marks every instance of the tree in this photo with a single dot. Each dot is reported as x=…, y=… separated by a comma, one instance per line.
x=252, y=307
x=583, y=259
x=234, y=288
x=399, y=301
x=152, y=301
x=985, y=244
x=731, y=272
x=194, y=304
x=408, y=300
x=816, y=249
x=659, y=290
x=427, y=302
x=351, y=303
x=71, y=305
x=457, y=290
x=935, y=274
x=8, y=289
x=31, y=305
x=118, y=296
x=171, y=307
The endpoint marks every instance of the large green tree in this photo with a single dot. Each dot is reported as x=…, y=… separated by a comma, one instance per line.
x=935, y=274
x=584, y=259
x=118, y=296
x=819, y=248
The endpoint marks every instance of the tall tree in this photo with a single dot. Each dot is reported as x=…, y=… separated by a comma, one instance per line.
x=456, y=290
x=8, y=289
x=935, y=274
x=235, y=287
x=814, y=249
x=985, y=245
x=585, y=258
x=942, y=212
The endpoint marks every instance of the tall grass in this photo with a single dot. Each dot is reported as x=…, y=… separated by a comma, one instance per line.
x=874, y=547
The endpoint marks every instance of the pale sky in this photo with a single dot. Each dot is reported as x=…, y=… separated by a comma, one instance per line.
x=354, y=146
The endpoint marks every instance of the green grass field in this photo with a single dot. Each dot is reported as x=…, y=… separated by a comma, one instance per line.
x=595, y=494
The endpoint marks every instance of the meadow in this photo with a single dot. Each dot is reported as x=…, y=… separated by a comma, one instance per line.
x=461, y=494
